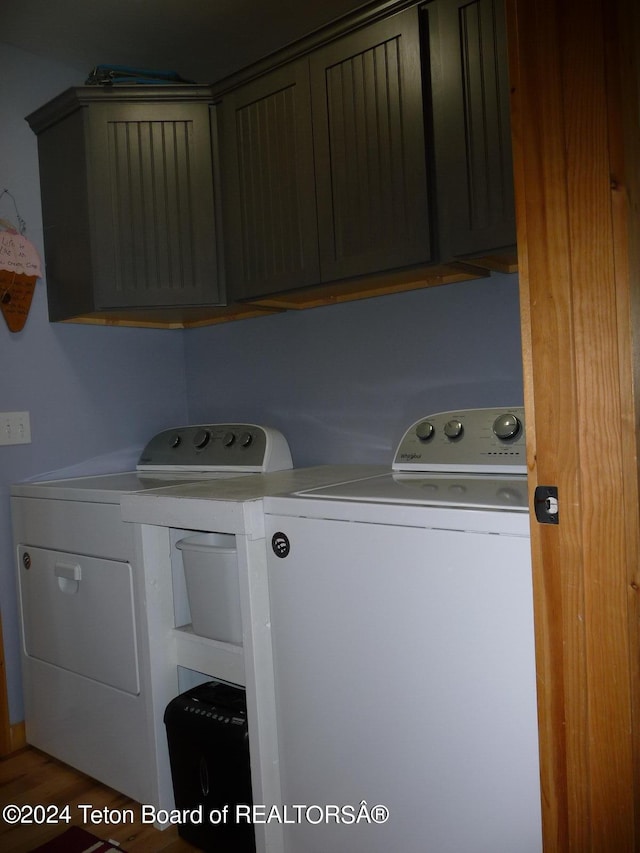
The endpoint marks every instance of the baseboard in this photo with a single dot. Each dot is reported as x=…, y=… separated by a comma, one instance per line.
x=17, y=736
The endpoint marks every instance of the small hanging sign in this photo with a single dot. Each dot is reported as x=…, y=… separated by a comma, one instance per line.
x=19, y=269
x=17, y=254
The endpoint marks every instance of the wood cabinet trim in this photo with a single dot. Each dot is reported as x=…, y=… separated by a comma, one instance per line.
x=173, y=318
x=385, y=284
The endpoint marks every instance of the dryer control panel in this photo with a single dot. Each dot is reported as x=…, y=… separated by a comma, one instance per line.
x=217, y=447
x=483, y=441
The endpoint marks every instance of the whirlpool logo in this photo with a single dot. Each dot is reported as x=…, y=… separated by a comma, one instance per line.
x=280, y=544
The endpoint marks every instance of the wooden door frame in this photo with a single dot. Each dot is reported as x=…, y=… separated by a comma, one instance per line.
x=574, y=83
x=6, y=745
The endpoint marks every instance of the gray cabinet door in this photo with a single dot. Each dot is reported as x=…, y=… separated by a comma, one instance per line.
x=269, y=185
x=368, y=126
x=470, y=92
x=152, y=205
x=127, y=184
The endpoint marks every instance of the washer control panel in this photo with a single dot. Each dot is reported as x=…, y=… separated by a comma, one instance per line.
x=217, y=447
x=470, y=440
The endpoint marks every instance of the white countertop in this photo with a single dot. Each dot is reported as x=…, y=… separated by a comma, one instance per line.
x=233, y=505
x=100, y=488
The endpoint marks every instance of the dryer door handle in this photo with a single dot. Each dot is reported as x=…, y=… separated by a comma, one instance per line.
x=68, y=571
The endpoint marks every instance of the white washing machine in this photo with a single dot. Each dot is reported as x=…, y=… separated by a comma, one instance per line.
x=403, y=649
x=86, y=601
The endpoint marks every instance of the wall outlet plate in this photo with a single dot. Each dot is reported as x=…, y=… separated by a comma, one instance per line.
x=15, y=428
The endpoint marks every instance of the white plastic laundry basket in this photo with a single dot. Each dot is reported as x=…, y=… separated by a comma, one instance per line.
x=211, y=572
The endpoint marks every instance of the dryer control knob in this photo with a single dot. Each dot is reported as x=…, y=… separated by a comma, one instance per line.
x=425, y=431
x=453, y=428
x=201, y=438
x=246, y=439
x=506, y=427
x=228, y=439
x=175, y=440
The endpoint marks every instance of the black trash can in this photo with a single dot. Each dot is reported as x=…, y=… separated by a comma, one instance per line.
x=209, y=754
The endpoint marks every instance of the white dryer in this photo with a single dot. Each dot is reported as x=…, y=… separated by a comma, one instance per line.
x=403, y=649
x=86, y=607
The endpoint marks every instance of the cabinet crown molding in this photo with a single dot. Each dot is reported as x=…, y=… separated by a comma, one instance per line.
x=82, y=96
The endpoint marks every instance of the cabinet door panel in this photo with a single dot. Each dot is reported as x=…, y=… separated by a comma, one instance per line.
x=153, y=205
x=471, y=126
x=64, y=176
x=269, y=197
x=370, y=149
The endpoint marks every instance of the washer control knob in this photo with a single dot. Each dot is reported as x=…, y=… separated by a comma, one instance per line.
x=506, y=427
x=175, y=440
x=425, y=431
x=228, y=439
x=453, y=428
x=201, y=438
x=246, y=439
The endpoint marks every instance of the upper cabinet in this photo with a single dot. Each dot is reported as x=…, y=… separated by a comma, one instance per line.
x=325, y=174
x=467, y=46
x=126, y=178
x=371, y=157
x=386, y=148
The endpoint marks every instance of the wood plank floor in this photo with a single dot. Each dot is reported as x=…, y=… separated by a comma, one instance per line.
x=29, y=777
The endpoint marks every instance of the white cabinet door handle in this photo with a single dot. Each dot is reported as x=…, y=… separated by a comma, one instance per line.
x=69, y=571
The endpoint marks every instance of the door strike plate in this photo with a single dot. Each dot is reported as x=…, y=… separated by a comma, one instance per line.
x=546, y=504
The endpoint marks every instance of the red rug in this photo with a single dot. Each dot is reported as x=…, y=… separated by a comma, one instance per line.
x=77, y=840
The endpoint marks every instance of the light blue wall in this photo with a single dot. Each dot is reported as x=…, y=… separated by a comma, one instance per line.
x=343, y=382
x=95, y=394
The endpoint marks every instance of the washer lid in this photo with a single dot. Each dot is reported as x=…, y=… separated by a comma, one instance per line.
x=508, y=492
